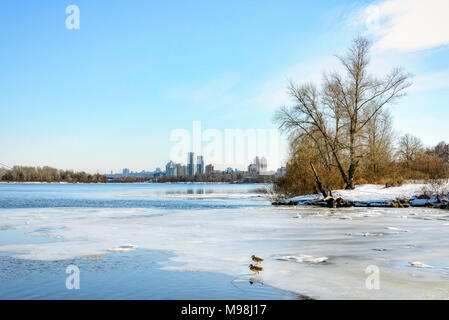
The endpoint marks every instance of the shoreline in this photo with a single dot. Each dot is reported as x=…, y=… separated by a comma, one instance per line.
x=119, y=183
x=406, y=196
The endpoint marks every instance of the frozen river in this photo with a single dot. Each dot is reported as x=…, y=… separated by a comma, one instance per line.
x=194, y=241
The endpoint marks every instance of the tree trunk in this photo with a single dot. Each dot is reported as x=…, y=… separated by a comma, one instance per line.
x=351, y=172
x=318, y=181
x=340, y=168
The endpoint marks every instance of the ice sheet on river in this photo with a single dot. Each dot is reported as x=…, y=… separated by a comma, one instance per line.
x=224, y=240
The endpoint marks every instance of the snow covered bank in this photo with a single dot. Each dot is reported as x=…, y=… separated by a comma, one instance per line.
x=370, y=195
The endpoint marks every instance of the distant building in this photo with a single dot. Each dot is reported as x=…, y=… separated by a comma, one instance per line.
x=200, y=165
x=281, y=171
x=126, y=172
x=191, y=167
x=209, y=169
x=229, y=170
x=170, y=169
x=180, y=170
x=258, y=166
x=252, y=169
x=261, y=164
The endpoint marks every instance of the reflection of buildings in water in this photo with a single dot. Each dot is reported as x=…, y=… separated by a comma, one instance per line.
x=175, y=192
x=196, y=191
x=190, y=191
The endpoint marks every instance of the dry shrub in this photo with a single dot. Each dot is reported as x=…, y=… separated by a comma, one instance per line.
x=394, y=182
x=431, y=165
x=299, y=178
x=361, y=180
x=425, y=166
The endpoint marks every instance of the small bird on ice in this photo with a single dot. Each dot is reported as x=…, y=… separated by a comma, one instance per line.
x=255, y=269
x=256, y=259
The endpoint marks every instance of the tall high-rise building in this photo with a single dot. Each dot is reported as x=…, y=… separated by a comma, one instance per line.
x=258, y=166
x=263, y=164
x=200, y=165
x=256, y=163
x=191, y=167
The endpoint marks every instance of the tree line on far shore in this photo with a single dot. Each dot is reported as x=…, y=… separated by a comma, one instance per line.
x=212, y=178
x=48, y=174
x=341, y=132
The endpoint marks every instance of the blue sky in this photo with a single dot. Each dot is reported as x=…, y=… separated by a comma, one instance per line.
x=108, y=96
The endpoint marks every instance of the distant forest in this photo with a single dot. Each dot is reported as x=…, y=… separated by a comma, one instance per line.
x=47, y=174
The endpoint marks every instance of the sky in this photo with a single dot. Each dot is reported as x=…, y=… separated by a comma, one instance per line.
x=111, y=94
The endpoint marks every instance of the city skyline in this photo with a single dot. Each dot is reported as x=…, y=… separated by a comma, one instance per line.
x=257, y=166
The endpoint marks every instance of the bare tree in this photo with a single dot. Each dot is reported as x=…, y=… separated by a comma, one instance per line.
x=378, y=143
x=335, y=116
x=442, y=150
x=409, y=147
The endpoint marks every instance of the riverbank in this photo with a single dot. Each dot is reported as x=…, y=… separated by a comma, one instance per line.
x=369, y=195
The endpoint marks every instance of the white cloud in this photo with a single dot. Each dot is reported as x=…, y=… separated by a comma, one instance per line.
x=430, y=81
x=407, y=25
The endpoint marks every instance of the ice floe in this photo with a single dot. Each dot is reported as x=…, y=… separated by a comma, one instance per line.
x=304, y=258
x=418, y=264
x=123, y=248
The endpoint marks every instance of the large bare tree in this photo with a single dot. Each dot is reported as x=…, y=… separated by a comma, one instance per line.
x=336, y=114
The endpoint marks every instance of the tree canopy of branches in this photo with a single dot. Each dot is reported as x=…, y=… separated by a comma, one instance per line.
x=344, y=118
x=442, y=150
x=409, y=147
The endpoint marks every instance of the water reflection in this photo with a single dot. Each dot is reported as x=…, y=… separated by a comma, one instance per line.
x=190, y=191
